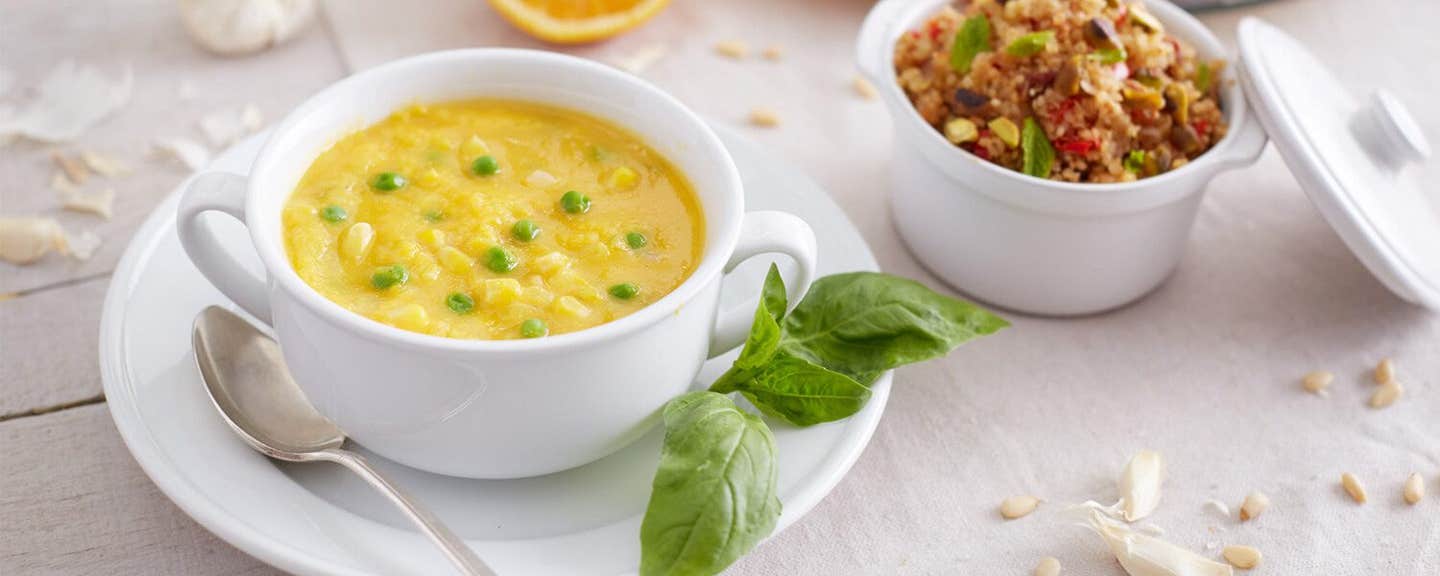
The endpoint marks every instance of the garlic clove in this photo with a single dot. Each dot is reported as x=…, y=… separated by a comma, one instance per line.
x=1140, y=484
x=1142, y=555
x=25, y=240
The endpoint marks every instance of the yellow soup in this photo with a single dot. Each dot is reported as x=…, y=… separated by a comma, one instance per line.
x=493, y=220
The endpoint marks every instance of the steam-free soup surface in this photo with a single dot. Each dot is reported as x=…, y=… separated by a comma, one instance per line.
x=493, y=220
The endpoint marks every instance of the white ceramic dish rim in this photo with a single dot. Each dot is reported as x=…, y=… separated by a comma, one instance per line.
x=897, y=16
x=266, y=237
x=153, y=459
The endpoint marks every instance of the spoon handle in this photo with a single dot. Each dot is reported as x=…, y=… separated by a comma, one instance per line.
x=455, y=549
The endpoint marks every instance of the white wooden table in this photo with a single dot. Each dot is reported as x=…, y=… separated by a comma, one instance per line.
x=1267, y=291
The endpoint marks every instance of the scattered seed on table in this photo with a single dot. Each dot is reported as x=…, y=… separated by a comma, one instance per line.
x=734, y=49
x=1254, y=505
x=1386, y=394
x=764, y=118
x=1049, y=566
x=1353, y=487
x=1018, y=506
x=773, y=53
x=863, y=87
x=1317, y=382
x=1414, y=489
x=1385, y=372
x=1243, y=557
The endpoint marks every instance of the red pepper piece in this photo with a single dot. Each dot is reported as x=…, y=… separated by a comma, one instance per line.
x=1076, y=145
x=1064, y=108
x=1124, y=13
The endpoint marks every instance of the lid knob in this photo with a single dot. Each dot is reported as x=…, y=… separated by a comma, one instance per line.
x=1390, y=133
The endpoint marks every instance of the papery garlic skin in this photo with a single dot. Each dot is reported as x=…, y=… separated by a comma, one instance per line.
x=244, y=26
x=1142, y=555
x=1140, y=484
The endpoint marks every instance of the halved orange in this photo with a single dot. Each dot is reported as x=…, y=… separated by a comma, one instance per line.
x=577, y=21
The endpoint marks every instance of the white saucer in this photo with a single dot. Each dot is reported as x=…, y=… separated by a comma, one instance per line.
x=319, y=519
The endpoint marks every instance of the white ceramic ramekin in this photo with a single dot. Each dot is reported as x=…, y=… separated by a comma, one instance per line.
x=491, y=409
x=1031, y=244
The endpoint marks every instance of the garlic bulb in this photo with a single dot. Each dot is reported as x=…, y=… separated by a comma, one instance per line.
x=244, y=26
x=1140, y=484
x=1142, y=555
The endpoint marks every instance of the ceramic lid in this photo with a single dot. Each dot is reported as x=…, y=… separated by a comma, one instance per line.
x=1359, y=161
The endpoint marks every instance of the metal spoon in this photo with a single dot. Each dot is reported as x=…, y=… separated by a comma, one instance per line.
x=246, y=378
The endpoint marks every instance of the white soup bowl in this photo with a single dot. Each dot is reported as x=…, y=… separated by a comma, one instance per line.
x=490, y=409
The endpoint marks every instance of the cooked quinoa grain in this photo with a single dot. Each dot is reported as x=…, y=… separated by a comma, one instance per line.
x=1116, y=98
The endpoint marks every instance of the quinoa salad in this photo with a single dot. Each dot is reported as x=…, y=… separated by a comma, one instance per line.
x=1070, y=90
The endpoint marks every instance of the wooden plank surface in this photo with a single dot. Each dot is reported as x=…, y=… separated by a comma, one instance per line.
x=49, y=341
x=73, y=501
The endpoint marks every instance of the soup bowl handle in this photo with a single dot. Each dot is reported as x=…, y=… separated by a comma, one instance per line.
x=220, y=192
x=766, y=232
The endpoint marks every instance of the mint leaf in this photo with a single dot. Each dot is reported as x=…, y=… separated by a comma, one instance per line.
x=1030, y=44
x=1037, y=155
x=714, y=494
x=972, y=39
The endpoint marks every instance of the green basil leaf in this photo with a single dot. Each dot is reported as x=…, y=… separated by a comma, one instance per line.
x=800, y=392
x=764, y=335
x=863, y=323
x=972, y=39
x=1037, y=155
x=714, y=494
x=1030, y=44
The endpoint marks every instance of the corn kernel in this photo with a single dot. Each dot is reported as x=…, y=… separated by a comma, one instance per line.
x=432, y=237
x=502, y=291
x=569, y=306
x=355, y=244
x=624, y=178
x=424, y=266
x=455, y=261
x=536, y=296
x=472, y=149
x=551, y=263
x=409, y=317
x=429, y=178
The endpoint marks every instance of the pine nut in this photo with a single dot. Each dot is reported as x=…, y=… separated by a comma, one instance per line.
x=1018, y=506
x=773, y=53
x=1242, y=557
x=1414, y=489
x=1254, y=505
x=1318, y=381
x=1353, y=487
x=1049, y=566
x=1386, y=394
x=863, y=87
x=1385, y=371
x=735, y=49
x=764, y=118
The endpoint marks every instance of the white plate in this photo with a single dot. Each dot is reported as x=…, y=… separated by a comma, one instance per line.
x=319, y=519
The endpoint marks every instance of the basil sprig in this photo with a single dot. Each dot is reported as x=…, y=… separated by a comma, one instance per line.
x=816, y=364
x=714, y=495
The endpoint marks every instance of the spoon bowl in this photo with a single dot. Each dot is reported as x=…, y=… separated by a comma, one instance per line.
x=244, y=373
x=245, y=377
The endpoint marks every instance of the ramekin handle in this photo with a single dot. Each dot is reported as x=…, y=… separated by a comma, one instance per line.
x=1249, y=144
x=220, y=192
x=766, y=232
